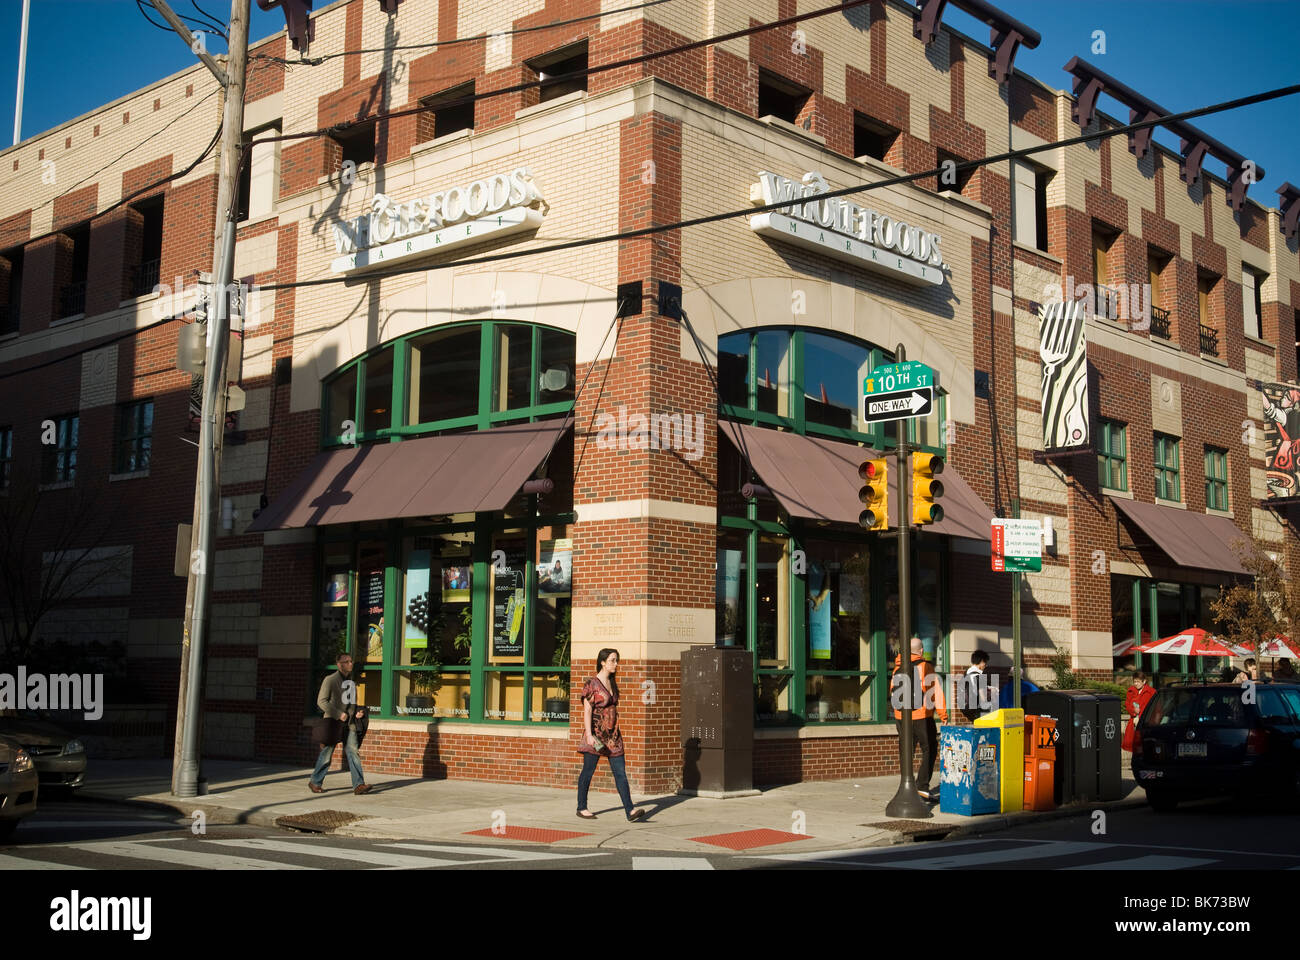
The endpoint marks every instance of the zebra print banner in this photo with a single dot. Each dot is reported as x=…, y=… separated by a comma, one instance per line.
x=1061, y=345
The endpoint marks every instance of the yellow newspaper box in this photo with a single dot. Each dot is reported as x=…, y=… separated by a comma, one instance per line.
x=1011, y=772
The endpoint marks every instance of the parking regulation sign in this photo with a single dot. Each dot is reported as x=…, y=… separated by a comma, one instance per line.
x=1017, y=546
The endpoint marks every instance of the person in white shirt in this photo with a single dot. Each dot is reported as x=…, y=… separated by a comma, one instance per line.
x=975, y=682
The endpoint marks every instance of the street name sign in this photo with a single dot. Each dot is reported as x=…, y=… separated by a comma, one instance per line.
x=1017, y=546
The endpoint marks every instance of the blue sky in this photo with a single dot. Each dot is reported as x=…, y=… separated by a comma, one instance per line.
x=1180, y=53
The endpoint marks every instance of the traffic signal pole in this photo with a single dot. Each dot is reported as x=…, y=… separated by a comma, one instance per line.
x=198, y=600
x=907, y=802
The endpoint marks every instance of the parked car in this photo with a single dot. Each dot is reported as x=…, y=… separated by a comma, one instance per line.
x=18, y=785
x=60, y=757
x=1201, y=740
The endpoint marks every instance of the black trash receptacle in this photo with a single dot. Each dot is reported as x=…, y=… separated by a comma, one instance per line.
x=1075, y=713
x=1110, y=756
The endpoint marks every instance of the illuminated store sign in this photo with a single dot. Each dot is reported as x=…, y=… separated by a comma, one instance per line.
x=485, y=209
x=840, y=228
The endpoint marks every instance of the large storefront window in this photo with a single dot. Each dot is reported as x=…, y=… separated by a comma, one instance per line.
x=1156, y=609
x=820, y=613
x=464, y=616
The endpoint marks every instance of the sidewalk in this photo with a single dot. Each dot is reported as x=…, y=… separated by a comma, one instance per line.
x=837, y=814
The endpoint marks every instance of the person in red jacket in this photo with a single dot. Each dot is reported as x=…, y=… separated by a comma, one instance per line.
x=926, y=696
x=1135, y=701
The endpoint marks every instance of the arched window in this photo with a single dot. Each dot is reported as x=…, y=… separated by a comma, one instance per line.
x=464, y=616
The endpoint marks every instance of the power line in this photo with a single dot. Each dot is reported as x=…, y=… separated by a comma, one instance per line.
x=576, y=74
x=784, y=204
x=317, y=61
x=97, y=345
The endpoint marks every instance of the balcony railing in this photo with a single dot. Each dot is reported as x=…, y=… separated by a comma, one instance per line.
x=1209, y=341
x=1160, y=322
x=1106, y=304
x=72, y=299
x=144, y=278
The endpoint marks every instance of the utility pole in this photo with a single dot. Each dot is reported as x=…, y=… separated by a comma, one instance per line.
x=22, y=72
x=907, y=802
x=185, y=768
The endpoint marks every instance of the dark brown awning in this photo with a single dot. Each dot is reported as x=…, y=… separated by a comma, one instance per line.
x=1190, y=539
x=457, y=473
x=817, y=479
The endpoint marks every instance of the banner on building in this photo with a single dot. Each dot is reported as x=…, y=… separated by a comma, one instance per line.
x=1281, y=438
x=1062, y=348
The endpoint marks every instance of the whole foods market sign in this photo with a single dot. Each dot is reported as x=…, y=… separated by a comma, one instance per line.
x=471, y=213
x=839, y=228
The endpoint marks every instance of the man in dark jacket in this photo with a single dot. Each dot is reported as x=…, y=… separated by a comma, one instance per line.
x=334, y=705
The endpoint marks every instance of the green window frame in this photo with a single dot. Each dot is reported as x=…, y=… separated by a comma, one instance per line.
x=134, y=437
x=1112, y=455
x=493, y=340
x=59, y=459
x=495, y=337
x=1216, y=478
x=1168, y=486
x=880, y=436
x=6, y=456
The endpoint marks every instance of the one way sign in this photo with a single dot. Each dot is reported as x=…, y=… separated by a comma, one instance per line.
x=897, y=405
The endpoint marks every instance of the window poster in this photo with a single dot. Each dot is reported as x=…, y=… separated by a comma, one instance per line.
x=852, y=589
x=555, y=568
x=728, y=595
x=508, y=603
x=373, y=596
x=819, y=613
x=415, y=636
x=456, y=580
x=336, y=588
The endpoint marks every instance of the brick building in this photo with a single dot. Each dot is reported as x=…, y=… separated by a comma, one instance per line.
x=398, y=410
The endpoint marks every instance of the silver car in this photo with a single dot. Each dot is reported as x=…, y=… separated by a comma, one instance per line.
x=60, y=757
x=18, y=785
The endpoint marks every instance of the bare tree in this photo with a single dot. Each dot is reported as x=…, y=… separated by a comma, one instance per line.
x=1252, y=612
x=52, y=552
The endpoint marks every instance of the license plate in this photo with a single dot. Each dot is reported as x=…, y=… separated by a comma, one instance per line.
x=1191, y=749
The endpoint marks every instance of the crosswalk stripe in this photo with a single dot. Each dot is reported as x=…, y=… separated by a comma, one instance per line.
x=495, y=853
x=671, y=863
x=857, y=856
x=21, y=863
x=1151, y=862
x=154, y=851
x=309, y=848
x=980, y=858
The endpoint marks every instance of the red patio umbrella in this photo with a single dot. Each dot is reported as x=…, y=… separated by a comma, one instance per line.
x=1192, y=642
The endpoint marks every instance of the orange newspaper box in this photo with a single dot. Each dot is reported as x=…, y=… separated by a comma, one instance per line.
x=1040, y=763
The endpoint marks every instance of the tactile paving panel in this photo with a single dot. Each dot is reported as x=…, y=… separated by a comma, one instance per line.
x=747, y=839
x=531, y=834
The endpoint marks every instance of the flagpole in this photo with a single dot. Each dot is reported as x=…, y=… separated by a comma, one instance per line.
x=22, y=70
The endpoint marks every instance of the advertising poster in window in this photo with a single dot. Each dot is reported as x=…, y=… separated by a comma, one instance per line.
x=1281, y=438
x=728, y=599
x=372, y=582
x=819, y=613
x=415, y=635
x=555, y=568
x=508, y=604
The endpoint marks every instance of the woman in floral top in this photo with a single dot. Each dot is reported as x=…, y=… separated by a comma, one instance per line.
x=600, y=734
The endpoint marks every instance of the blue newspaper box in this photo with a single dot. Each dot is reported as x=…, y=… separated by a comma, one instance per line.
x=969, y=781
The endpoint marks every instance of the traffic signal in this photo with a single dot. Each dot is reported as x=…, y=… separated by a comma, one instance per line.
x=874, y=494
x=925, y=489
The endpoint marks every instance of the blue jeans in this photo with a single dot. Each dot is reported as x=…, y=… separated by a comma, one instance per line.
x=617, y=767
x=352, y=757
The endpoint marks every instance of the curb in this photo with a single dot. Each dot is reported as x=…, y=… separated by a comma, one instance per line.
x=215, y=813
x=1007, y=821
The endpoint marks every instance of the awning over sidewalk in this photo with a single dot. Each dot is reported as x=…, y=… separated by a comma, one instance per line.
x=458, y=473
x=817, y=479
x=1190, y=539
